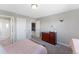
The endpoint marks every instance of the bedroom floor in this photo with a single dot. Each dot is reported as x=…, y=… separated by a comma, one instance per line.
x=51, y=49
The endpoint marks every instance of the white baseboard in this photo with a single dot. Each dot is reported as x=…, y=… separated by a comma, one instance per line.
x=63, y=44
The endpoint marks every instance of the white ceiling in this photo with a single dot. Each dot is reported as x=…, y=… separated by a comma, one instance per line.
x=41, y=11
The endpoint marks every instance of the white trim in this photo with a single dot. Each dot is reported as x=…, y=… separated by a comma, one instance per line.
x=63, y=44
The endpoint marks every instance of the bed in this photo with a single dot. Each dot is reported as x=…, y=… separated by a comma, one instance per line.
x=25, y=47
x=75, y=46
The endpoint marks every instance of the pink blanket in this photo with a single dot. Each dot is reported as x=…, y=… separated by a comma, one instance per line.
x=25, y=47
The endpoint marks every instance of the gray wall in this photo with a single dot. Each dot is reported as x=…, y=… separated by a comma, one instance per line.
x=66, y=30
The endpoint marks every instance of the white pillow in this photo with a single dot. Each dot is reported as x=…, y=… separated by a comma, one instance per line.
x=2, y=50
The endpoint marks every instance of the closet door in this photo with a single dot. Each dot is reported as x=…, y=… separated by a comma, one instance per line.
x=5, y=31
x=4, y=28
x=20, y=28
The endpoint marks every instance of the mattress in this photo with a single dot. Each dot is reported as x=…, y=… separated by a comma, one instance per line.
x=25, y=47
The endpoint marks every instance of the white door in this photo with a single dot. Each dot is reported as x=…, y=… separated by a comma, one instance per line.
x=36, y=33
x=5, y=31
x=4, y=28
x=20, y=28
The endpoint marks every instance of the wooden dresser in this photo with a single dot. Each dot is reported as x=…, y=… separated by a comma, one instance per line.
x=49, y=37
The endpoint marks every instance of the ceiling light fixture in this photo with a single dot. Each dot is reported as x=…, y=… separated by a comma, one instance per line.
x=34, y=6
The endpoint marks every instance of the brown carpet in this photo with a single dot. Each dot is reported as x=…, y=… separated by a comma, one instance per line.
x=54, y=49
